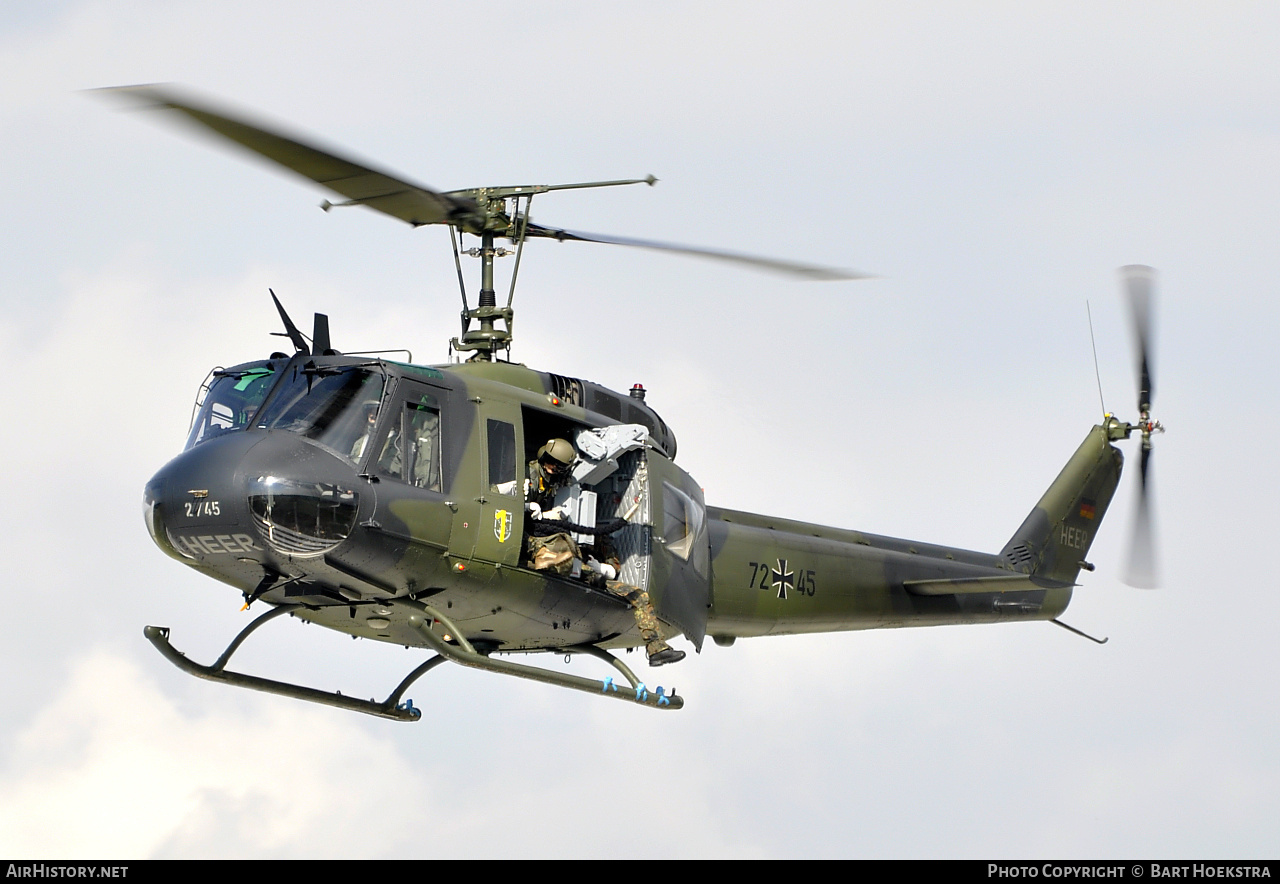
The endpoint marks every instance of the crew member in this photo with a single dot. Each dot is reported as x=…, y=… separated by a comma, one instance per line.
x=548, y=473
x=370, y=409
x=557, y=551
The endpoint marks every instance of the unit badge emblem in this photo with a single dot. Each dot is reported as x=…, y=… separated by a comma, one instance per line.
x=502, y=525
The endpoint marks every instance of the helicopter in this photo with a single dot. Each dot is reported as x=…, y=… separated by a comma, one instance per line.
x=389, y=500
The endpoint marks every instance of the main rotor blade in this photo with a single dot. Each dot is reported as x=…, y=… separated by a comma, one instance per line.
x=393, y=195
x=772, y=265
x=1141, y=570
x=1139, y=283
x=359, y=183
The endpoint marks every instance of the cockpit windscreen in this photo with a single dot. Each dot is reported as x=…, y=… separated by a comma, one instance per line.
x=336, y=407
x=232, y=401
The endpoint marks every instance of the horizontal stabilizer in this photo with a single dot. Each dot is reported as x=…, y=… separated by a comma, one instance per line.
x=969, y=585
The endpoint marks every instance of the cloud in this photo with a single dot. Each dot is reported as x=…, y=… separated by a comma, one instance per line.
x=114, y=768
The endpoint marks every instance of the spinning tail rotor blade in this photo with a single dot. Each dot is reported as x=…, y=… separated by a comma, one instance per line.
x=1141, y=570
x=771, y=265
x=1139, y=282
x=1139, y=285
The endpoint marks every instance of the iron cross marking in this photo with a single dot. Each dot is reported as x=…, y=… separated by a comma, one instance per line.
x=783, y=578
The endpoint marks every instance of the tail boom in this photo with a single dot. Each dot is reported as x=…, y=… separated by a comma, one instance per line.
x=774, y=576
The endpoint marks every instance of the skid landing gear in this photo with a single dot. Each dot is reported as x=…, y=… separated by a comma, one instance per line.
x=460, y=651
x=389, y=708
x=456, y=649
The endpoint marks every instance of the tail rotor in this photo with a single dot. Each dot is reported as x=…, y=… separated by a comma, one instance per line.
x=1139, y=286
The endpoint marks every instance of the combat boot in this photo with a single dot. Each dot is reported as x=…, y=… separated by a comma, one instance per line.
x=660, y=654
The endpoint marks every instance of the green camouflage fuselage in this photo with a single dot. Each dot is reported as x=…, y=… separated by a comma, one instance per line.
x=290, y=515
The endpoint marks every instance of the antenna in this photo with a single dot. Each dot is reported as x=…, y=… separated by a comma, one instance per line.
x=1097, y=374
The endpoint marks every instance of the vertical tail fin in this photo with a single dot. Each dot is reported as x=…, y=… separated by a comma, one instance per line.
x=1055, y=537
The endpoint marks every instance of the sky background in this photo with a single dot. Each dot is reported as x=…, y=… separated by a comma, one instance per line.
x=994, y=163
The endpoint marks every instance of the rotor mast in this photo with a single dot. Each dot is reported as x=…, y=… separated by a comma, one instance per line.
x=495, y=218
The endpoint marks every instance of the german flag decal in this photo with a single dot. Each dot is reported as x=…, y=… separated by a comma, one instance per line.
x=1087, y=510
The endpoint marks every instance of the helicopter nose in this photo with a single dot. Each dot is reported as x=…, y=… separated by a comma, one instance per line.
x=194, y=506
x=249, y=498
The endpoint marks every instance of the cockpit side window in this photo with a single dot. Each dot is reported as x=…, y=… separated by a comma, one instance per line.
x=231, y=402
x=410, y=450
x=684, y=526
x=502, y=457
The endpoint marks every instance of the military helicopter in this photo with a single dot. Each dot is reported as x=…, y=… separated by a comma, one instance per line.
x=386, y=500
